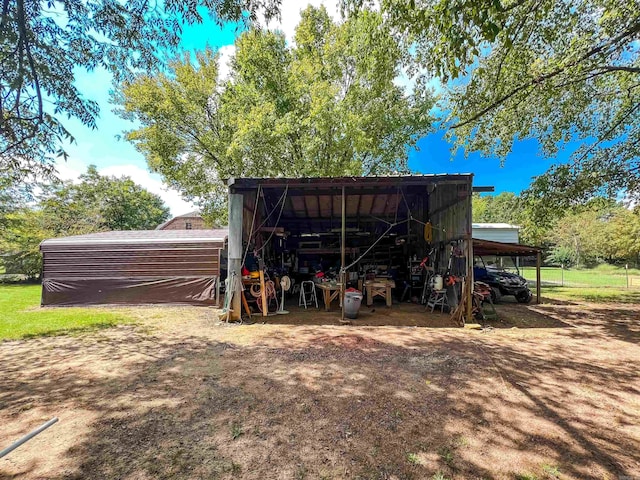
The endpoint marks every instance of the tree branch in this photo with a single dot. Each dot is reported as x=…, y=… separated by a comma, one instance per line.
x=606, y=134
x=615, y=68
x=547, y=76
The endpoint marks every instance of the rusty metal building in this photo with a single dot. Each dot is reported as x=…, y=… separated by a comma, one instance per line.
x=133, y=267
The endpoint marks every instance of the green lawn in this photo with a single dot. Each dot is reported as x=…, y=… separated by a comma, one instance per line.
x=22, y=317
x=602, y=276
x=593, y=294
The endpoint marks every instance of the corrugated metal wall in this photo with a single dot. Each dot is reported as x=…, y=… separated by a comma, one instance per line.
x=504, y=235
x=151, y=260
x=449, y=211
x=450, y=214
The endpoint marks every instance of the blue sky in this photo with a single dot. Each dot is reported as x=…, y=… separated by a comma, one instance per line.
x=117, y=157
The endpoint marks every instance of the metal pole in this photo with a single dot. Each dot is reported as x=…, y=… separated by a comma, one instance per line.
x=562, y=274
x=342, y=250
x=28, y=437
x=626, y=271
x=236, y=207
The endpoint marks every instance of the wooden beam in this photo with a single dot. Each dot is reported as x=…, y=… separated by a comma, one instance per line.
x=469, y=244
x=263, y=291
x=342, y=251
x=538, y=264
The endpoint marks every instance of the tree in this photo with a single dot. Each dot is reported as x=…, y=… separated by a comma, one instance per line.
x=100, y=202
x=20, y=242
x=626, y=235
x=554, y=71
x=43, y=44
x=327, y=105
x=601, y=230
x=507, y=207
x=96, y=203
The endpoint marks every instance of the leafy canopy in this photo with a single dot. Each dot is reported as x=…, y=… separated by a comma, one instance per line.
x=508, y=207
x=43, y=44
x=326, y=105
x=600, y=230
x=543, y=69
x=96, y=203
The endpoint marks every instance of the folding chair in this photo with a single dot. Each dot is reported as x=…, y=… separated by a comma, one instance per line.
x=307, y=294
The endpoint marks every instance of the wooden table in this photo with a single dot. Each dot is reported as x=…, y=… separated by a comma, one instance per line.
x=329, y=293
x=379, y=287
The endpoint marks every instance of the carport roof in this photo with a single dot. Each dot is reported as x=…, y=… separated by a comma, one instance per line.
x=487, y=247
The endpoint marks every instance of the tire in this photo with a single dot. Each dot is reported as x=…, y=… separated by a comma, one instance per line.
x=524, y=297
x=495, y=295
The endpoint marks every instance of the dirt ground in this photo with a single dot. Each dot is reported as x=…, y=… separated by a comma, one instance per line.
x=550, y=391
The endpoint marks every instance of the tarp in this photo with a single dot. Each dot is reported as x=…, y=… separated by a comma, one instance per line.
x=95, y=291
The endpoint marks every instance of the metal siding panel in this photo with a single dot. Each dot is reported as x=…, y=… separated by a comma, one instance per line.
x=496, y=234
x=86, y=261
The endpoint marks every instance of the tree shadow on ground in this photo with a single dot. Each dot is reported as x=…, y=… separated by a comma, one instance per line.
x=339, y=403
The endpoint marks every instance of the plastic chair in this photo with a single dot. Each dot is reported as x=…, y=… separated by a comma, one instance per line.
x=307, y=294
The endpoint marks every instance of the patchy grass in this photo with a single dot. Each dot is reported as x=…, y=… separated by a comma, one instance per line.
x=551, y=471
x=446, y=454
x=236, y=430
x=22, y=317
x=593, y=294
x=526, y=476
x=329, y=401
x=413, y=458
x=439, y=476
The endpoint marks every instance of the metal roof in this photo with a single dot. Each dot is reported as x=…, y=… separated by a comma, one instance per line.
x=487, y=247
x=141, y=236
x=334, y=182
x=496, y=225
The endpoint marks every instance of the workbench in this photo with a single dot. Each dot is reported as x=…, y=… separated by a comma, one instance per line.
x=329, y=293
x=380, y=287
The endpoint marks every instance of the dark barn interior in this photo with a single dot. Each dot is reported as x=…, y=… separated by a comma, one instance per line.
x=365, y=233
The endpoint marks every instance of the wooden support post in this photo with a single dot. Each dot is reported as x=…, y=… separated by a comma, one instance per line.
x=538, y=263
x=263, y=291
x=468, y=293
x=343, y=276
x=245, y=304
x=236, y=207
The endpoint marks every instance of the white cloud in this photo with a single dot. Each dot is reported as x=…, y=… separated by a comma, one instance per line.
x=290, y=15
x=226, y=54
x=72, y=169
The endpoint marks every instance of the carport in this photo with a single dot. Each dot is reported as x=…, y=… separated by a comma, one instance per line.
x=499, y=249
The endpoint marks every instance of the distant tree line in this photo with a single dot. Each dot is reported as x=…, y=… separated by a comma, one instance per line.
x=96, y=203
x=597, y=231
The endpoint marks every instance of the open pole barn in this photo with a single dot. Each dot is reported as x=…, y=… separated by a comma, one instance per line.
x=375, y=234
x=133, y=267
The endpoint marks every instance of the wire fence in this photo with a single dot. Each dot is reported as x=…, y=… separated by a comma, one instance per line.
x=564, y=277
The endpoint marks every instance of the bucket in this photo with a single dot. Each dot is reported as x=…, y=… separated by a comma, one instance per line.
x=437, y=282
x=352, y=302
